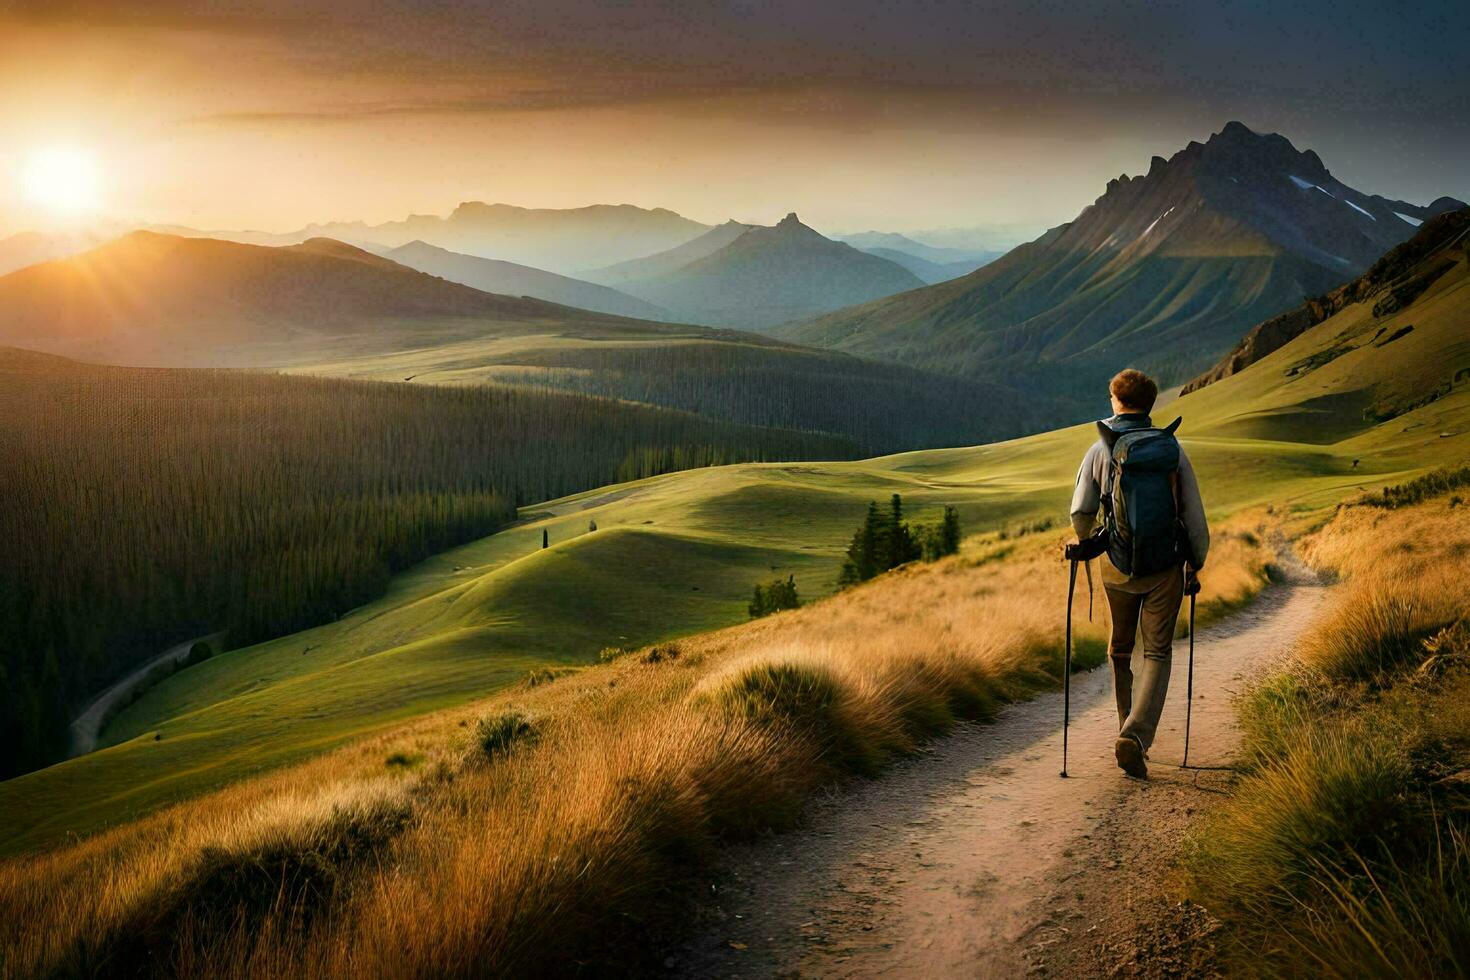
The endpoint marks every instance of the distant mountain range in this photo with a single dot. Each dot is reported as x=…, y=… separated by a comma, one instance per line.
x=328, y=307
x=509, y=278
x=527, y=243
x=558, y=240
x=765, y=276
x=872, y=241
x=931, y=272
x=1165, y=271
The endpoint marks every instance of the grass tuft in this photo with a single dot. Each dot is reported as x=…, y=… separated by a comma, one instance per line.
x=498, y=733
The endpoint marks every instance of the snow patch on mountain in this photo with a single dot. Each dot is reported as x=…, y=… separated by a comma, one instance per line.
x=1156, y=221
x=1356, y=208
x=1409, y=218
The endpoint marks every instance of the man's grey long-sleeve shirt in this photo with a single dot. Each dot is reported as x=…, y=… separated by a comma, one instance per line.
x=1093, y=473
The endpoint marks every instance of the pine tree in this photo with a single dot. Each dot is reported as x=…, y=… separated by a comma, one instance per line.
x=545, y=538
x=949, y=531
x=902, y=547
x=757, y=607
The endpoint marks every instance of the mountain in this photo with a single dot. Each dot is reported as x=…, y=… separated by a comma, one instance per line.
x=1165, y=271
x=560, y=240
x=1393, y=283
x=669, y=260
x=164, y=300
x=29, y=247
x=509, y=278
x=870, y=241
x=767, y=276
x=930, y=272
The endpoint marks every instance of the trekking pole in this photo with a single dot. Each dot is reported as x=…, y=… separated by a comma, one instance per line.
x=1067, y=669
x=1193, y=588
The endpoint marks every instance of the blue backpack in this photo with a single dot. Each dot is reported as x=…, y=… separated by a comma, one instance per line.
x=1140, y=500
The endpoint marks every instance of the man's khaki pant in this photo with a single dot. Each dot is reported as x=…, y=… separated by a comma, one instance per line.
x=1147, y=605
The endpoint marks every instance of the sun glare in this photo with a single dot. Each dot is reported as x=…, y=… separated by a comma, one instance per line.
x=62, y=179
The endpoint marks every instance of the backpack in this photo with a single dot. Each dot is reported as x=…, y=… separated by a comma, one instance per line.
x=1140, y=501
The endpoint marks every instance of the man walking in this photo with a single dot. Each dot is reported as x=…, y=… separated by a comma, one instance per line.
x=1139, y=480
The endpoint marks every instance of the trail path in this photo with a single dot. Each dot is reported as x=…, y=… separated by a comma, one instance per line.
x=87, y=726
x=975, y=860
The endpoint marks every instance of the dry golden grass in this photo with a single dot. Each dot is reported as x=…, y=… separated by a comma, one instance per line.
x=574, y=817
x=1344, y=851
x=1404, y=579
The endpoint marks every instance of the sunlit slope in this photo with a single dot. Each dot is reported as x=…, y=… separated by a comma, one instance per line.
x=678, y=554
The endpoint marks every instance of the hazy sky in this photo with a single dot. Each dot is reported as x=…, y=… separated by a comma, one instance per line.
x=858, y=114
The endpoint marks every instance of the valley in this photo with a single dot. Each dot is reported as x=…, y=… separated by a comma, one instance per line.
x=484, y=615
x=501, y=590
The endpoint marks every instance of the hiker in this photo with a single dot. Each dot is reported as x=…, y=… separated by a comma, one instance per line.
x=1156, y=538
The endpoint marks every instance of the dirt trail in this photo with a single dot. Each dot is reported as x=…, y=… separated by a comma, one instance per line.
x=87, y=726
x=976, y=860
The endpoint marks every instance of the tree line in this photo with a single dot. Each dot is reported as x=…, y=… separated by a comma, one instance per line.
x=886, y=541
x=140, y=507
x=882, y=407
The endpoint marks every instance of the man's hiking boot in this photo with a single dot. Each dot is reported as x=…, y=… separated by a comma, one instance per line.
x=1129, y=753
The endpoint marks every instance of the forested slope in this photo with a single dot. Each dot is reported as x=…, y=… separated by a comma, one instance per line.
x=144, y=506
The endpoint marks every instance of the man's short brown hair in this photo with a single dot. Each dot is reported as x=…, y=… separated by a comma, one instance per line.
x=1134, y=389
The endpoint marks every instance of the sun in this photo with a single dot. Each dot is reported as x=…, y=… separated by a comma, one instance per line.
x=63, y=179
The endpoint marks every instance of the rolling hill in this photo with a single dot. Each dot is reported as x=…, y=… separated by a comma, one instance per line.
x=767, y=276
x=508, y=278
x=162, y=300
x=1165, y=270
x=1352, y=403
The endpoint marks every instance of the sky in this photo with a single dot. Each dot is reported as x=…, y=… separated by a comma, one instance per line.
x=861, y=114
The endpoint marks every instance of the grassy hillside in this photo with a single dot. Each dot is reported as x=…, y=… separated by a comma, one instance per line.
x=687, y=547
x=570, y=806
x=554, y=824
x=147, y=506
